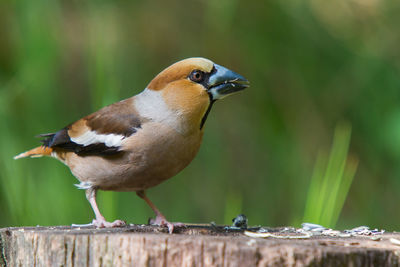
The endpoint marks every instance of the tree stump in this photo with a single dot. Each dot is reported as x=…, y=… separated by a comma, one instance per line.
x=195, y=245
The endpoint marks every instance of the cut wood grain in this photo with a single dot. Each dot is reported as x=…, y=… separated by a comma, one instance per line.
x=141, y=245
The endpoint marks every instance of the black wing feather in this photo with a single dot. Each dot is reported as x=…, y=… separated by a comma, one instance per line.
x=62, y=140
x=118, y=118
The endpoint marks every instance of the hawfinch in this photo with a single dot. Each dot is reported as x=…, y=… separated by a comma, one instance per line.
x=141, y=141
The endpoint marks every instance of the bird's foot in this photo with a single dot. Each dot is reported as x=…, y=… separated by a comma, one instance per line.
x=101, y=223
x=161, y=221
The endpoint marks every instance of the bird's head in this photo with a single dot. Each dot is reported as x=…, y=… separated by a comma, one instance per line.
x=192, y=85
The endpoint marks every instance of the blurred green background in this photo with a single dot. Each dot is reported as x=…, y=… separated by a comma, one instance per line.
x=318, y=129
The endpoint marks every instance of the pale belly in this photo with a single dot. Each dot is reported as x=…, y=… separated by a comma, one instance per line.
x=150, y=158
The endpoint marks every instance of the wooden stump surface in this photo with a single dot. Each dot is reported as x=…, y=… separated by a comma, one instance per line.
x=142, y=245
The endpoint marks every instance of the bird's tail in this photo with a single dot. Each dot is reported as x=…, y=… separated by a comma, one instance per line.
x=36, y=152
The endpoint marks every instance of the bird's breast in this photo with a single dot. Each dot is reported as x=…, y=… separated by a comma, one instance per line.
x=153, y=154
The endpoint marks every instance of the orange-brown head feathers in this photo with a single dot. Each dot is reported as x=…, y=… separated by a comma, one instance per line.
x=180, y=71
x=189, y=88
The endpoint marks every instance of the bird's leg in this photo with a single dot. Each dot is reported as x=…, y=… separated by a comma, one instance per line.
x=100, y=221
x=160, y=218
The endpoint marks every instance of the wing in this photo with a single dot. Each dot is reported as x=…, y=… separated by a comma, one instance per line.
x=100, y=133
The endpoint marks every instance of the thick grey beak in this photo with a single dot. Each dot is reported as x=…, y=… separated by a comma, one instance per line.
x=224, y=82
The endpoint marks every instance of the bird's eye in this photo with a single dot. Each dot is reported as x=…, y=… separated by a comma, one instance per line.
x=196, y=76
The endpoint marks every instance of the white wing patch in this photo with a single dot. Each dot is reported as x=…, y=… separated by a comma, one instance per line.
x=91, y=137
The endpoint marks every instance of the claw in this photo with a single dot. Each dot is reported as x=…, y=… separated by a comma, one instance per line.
x=161, y=221
x=160, y=218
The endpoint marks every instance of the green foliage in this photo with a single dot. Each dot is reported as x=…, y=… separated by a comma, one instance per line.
x=311, y=65
x=331, y=181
